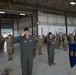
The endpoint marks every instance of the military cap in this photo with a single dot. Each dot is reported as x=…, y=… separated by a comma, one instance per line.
x=26, y=29
x=50, y=33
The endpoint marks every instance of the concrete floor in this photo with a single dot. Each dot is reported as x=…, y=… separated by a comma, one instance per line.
x=40, y=66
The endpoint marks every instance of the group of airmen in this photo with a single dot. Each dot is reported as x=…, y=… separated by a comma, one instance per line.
x=53, y=42
x=63, y=40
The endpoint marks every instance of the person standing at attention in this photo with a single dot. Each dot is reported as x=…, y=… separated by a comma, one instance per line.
x=51, y=49
x=28, y=51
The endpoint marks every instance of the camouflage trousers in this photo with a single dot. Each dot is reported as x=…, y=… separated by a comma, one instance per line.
x=10, y=52
x=57, y=45
x=65, y=46
x=40, y=49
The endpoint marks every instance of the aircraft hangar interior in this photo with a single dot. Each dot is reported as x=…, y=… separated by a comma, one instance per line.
x=37, y=37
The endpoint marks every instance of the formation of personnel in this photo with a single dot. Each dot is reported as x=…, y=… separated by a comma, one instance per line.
x=66, y=39
x=28, y=47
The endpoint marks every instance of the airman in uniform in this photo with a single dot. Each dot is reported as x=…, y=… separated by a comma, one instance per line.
x=51, y=48
x=57, y=38
x=28, y=51
x=43, y=37
x=9, y=47
x=65, y=42
x=39, y=44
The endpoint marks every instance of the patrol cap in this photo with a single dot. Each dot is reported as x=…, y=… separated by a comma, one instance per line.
x=26, y=29
x=50, y=33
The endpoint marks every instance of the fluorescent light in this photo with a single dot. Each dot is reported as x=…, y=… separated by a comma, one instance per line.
x=22, y=14
x=2, y=12
x=72, y=3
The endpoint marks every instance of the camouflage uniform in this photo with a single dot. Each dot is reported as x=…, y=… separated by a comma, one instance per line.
x=9, y=48
x=65, y=42
x=40, y=43
x=57, y=41
x=43, y=39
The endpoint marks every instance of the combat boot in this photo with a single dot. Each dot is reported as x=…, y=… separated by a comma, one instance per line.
x=53, y=63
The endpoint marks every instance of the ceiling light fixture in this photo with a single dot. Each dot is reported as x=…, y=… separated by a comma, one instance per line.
x=22, y=14
x=72, y=3
x=2, y=12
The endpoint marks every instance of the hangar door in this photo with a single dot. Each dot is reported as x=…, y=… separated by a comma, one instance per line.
x=6, y=28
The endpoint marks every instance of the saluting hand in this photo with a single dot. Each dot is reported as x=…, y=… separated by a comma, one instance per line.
x=23, y=34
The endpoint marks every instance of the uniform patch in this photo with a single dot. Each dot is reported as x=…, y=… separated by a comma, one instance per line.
x=30, y=40
x=25, y=41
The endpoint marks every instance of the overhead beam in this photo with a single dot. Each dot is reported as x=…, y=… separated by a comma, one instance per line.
x=15, y=11
x=7, y=19
x=58, y=13
x=34, y=6
x=39, y=7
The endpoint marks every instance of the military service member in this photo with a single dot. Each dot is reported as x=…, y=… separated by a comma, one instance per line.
x=39, y=45
x=43, y=38
x=28, y=51
x=51, y=48
x=57, y=37
x=9, y=47
x=65, y=42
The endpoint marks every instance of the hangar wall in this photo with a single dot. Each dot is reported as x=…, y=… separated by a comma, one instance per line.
x=54, y=23
x=46, y=23
x=25, y=21
x=29, y=21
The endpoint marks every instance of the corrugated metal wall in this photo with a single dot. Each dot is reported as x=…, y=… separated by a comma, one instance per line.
x=54, y=23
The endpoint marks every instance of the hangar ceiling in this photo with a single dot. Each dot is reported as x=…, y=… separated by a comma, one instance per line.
x=14, y=7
